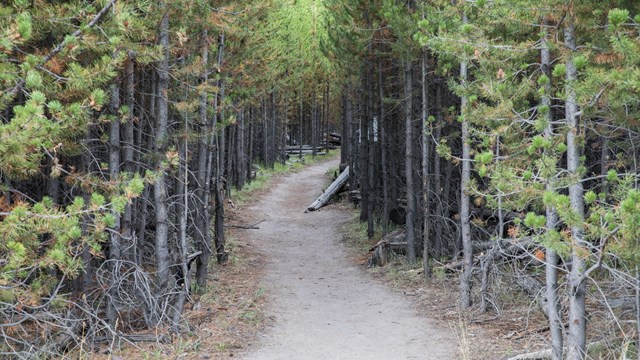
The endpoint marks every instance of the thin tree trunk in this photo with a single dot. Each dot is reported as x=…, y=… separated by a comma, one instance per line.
x=372, y=139
x=127, y=154
x=314, y=124
x=215, y=166
x=240, y=156
x=161, y=139
x=465, y=279
x=410, y=190
x=426, y=239
x=250, y=149
x=274, y=129
x=363, y=148
x=437, y=172
x=349, y=137
x=182, y=213
x=114, y=173
x=551, y=270
x=383, y=155
x=326, y=118
x=576, y=341
x=202, y=235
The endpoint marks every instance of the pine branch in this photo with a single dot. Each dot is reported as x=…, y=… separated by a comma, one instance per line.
x=56, y=50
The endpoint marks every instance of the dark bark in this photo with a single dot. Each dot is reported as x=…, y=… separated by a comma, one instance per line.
x=410, y=189
x=426, y=239
x=161, y=138
x=202, y=233
x=114, y=173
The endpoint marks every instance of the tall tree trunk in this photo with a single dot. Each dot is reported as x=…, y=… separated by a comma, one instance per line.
x=202, y=233
x=240, y=156
x=551, y=270
x=326, y=118
x=127, y=154
x=371, y=140
x=437, y=172
x=273, y=129
x=576, y=341
x=408, y=133
x=363, y=169
x=265, y=136
x=161, y=139
x=114, y=173
x=383, y=155
x=314, y=123
x=426, y=239
x=219, y=166
x=348, y=136
x=182, y=192
x=250, y=146
x=465, y=279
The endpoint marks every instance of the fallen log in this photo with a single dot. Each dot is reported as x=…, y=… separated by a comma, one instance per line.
x=393, y=242
x=335, y=186
x=304, y=152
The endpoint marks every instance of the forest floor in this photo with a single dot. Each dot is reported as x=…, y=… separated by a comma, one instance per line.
x=297, y=287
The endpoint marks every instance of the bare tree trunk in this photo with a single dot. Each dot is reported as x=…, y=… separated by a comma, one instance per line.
x=213, y=178
x=437, y=172
x=465, y=279
x=410, y=190
x=114, y=173
x=202, y=233
x=273, y=130
x=383, y=148
x=127, y=154
x=551, y=270
x=576, y=341
x=182, y=192
x=314, y=123
x=426, y=239
x=161, y=139
x=326, y=118
x=349, y=137
x=240, y=156
x=363, y=169
x=371, y=140
x=250, y=147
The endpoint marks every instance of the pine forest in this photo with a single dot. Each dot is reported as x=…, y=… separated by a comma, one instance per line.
x=495, y=142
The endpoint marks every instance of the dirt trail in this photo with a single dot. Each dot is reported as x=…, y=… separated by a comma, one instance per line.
x=324, y=306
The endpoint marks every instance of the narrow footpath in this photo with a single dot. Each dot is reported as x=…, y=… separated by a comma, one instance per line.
x=324, y=306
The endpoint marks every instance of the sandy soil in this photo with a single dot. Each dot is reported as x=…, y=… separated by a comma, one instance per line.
x=323, y=306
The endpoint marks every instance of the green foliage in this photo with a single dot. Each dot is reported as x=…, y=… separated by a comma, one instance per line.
x=617, y=17
x=560, y=70
x=535, y=221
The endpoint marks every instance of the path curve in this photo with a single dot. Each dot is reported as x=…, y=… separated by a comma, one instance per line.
x=324, y=306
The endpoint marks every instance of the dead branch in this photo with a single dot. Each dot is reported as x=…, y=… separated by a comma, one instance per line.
x=246, y=227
